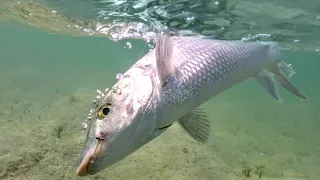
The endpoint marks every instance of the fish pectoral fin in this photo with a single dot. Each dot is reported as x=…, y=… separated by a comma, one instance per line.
x=197, y=125
x=165, y=127
x=163, y=53
x=269, y=83
x=156, y=133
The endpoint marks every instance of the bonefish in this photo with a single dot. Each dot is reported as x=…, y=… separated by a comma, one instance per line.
x=168, y=84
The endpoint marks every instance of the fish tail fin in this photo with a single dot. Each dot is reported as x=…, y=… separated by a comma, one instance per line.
x=284, y=80
x=268, y=76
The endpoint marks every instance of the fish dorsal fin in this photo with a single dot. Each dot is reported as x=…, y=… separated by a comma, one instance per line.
x=163, y=53
x=197, y=125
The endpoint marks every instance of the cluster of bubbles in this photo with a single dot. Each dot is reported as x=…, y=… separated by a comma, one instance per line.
x=101, y=95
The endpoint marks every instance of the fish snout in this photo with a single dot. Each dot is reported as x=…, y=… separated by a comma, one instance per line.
x=89, y=158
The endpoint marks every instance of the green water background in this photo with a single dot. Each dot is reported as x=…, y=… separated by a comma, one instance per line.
x=47, y=82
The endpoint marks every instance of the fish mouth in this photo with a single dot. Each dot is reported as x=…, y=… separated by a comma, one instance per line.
x=89, y=158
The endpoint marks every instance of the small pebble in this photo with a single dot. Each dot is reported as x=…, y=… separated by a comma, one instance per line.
x=185, y=150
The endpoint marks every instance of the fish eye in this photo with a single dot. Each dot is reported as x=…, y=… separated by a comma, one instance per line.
x=104, y=111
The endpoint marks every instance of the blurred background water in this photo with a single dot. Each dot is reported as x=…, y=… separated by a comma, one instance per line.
x=55, y=54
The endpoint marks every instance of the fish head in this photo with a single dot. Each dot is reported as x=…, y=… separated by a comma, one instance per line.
x=115, y=130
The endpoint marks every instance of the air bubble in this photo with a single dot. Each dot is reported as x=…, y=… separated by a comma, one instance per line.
x=128, y=45
x=119, y=76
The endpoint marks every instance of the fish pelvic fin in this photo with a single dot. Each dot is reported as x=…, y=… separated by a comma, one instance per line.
x=163, y=53
x=284, y=80
x=196, y=124
x=268, y=82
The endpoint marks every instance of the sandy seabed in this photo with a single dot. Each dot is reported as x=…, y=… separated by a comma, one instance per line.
x=44, y=141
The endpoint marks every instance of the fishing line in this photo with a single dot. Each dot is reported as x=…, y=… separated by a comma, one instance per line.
x=142, y=51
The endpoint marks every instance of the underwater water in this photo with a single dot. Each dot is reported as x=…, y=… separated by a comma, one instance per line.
x=49, y=74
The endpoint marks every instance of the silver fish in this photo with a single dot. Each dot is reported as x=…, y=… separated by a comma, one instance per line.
x=169, y=84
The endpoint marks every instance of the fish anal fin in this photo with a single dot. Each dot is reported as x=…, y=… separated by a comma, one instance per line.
x=196, y=124
x=268, y=82
x=163, y=53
